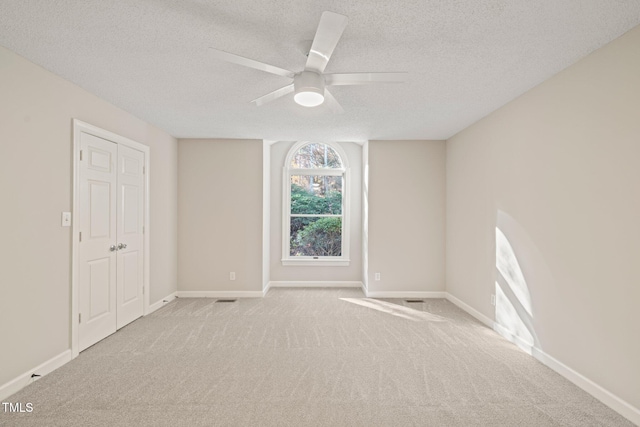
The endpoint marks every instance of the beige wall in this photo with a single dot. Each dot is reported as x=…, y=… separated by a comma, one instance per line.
x=406, y=214
x=220, y=214
x=352, y=273
x=36, y=111
x=557, y=171
x=164, y=214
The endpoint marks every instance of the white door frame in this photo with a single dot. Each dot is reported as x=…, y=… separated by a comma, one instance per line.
x=78, y=128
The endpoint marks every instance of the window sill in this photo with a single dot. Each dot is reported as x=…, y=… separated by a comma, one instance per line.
x=316, y=262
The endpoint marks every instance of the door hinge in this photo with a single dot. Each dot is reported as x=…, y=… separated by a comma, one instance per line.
x=80, y=155
x=79, y=317
x=143, y=229
x=81, y=236
x=144, y=170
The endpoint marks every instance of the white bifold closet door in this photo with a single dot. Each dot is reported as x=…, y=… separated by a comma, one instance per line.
x=111, y=258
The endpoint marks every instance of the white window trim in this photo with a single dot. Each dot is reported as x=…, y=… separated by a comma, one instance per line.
x=287, y=171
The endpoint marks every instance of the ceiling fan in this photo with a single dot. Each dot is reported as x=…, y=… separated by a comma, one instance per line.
x=309, y=85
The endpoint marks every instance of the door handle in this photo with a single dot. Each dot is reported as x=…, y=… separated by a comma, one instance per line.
x=113, y=248
x=122, y=246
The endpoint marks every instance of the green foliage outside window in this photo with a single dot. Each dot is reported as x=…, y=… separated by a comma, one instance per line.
x=315, y=236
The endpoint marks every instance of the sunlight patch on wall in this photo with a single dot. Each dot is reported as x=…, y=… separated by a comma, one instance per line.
x=507, y=317
x=514, y=313
x=508, y=266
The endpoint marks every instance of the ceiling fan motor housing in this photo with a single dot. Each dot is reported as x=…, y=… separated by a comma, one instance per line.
x=309, y=88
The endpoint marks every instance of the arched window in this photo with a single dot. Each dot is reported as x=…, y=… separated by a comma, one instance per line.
x=315, y=205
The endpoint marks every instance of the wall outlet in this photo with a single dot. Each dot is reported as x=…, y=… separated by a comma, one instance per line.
x=376, y=276
x=493, y=299
x=232, y=275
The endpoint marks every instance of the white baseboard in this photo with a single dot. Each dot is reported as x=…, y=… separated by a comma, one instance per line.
x=472, y=311
x=314, y=284
x=265, y=290
x=18, y=383
x=220, y=294
x=405, y=294
x=603, y=395
x=159, y=304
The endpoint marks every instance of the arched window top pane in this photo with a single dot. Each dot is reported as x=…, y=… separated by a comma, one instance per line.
x=314, y=156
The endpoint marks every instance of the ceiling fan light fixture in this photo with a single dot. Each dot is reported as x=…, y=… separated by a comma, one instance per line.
x=309, y=89
x=308, y=99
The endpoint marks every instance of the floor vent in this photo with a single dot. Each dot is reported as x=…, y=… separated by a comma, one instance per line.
x=226, y=300
x=414, y=300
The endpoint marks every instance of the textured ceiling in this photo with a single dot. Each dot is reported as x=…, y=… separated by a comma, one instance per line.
x=466, y=58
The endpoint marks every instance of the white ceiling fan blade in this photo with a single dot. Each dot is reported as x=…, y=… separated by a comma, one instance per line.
x=241, y=60
x=363, y=78
x=329, y=32
x=331, y=102
x=273, y=95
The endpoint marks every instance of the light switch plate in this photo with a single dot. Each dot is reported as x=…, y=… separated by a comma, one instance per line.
x=66, y=219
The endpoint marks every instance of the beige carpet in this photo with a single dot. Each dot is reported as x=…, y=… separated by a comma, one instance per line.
x=307, y=357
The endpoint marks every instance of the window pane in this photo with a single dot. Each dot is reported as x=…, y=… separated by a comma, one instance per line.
x=316, y=195
x=316, y=236
x=314, y=155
